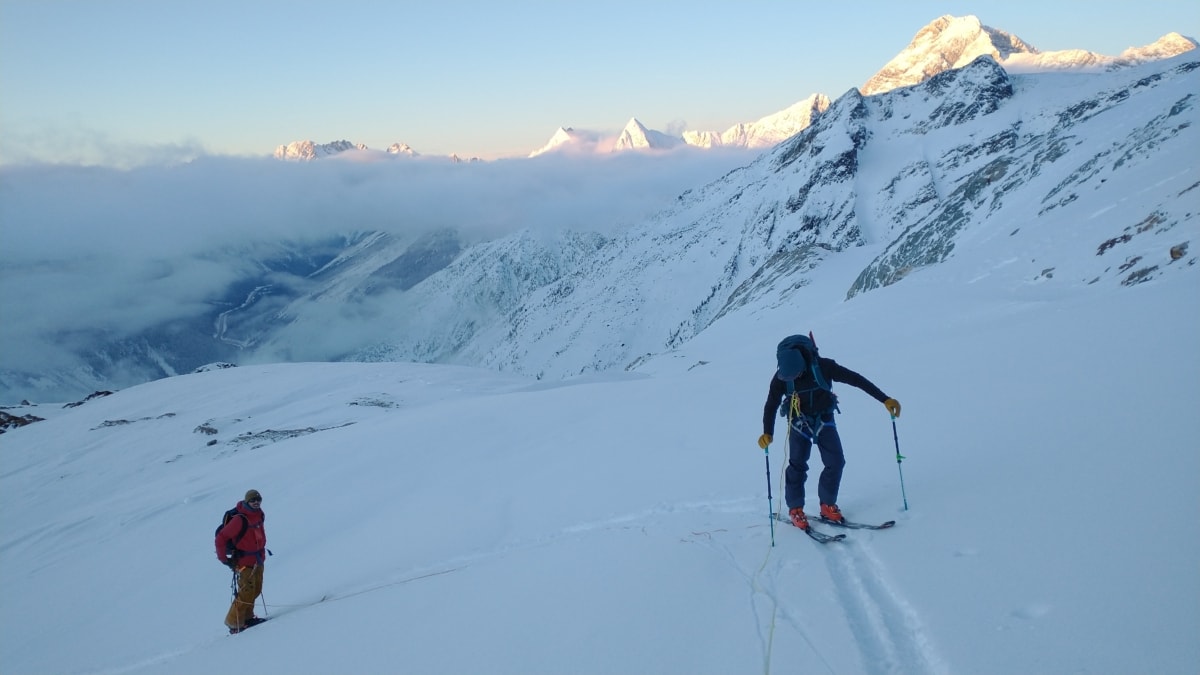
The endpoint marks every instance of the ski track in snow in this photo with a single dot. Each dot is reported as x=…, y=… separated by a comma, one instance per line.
x=892, y=638
x=890, y=635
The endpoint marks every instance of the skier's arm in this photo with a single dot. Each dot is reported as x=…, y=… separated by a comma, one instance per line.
x=774, y=396
x=842, y=374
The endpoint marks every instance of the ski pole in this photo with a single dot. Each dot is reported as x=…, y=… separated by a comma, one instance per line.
x=770, y=501
x=899, y=458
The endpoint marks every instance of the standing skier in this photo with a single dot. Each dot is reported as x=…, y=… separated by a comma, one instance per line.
x=804, y=378
x=241, y=546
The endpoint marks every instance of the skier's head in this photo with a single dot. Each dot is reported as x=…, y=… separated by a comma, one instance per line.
x=253, y=496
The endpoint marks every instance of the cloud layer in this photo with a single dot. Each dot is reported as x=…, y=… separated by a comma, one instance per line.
x=89, y=251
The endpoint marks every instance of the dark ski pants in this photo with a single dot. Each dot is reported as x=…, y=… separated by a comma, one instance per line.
x=249, y=586
x=800, y=444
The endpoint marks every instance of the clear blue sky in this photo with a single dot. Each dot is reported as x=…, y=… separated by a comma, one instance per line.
x=129, y=80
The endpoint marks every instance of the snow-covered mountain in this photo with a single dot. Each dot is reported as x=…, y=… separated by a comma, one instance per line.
x=946, y=43
x=766, y=132
x=575, y=140
x=763, y=133
x=635, y=136
x=305, y=151
x=953, y=42
x=401, y=149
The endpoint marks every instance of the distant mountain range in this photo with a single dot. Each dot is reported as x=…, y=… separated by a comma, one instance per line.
x=304, y=151
x=946, y=43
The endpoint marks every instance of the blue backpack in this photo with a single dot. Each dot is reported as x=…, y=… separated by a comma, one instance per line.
x=795, y=355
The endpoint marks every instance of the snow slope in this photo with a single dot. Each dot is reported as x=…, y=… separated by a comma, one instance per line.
x=440, y=519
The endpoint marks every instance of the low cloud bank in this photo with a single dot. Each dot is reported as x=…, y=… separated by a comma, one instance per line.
x=97, y=251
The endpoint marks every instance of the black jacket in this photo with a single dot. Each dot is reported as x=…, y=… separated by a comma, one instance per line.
x=815, y=401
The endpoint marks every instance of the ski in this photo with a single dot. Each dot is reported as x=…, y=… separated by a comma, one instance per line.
x=850, y=525
x=815, y=535
x=822, y=537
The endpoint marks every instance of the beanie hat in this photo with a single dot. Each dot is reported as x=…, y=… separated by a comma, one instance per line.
x=251, y=495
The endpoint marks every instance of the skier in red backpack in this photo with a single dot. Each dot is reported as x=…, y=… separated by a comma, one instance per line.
x=242, y=546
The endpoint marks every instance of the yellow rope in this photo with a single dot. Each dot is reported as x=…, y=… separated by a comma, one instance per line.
x=794, y=409
x=793, y=413
x=774, y=611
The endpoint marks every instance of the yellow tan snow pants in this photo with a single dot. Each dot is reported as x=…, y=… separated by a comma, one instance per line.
x=249, y=585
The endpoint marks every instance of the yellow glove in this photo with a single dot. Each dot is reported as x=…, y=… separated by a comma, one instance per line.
x=893, y=406
x=764, y=441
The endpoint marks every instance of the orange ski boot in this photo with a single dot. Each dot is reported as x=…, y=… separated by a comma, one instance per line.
x=832, y=513
x=798, y=518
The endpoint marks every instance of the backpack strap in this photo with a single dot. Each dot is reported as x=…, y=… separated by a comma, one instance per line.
x=242, y=530
x=234, y=540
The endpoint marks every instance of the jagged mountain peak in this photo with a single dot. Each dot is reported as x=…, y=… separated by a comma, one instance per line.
x=568, y=139
x=305, y=151
x=952, y=42
x=1165, y=47
x=947, y=42
x=635, y=136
